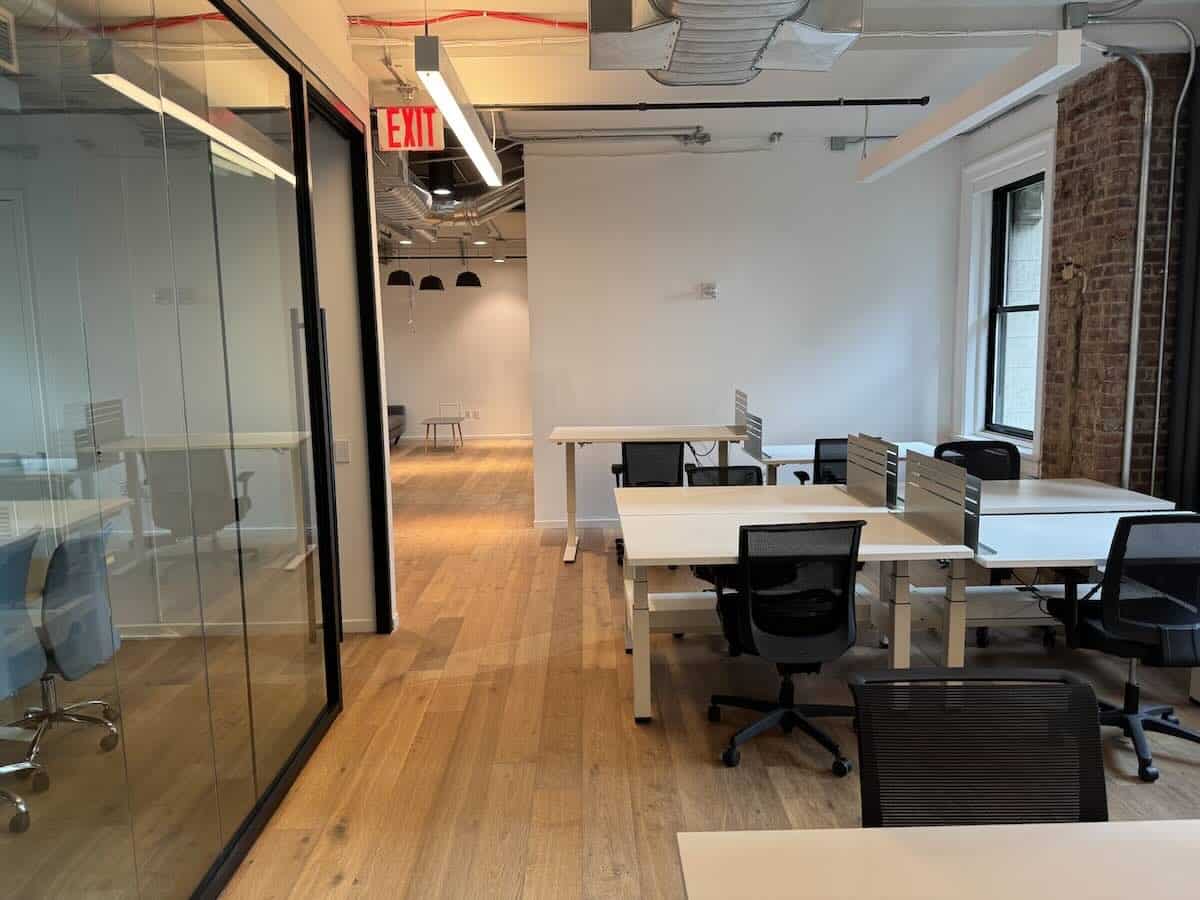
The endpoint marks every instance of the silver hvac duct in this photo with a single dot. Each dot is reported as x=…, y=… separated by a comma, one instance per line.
x=701, y=42
x=405, y=205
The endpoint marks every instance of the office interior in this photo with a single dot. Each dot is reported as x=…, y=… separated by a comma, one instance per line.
x=747, y=449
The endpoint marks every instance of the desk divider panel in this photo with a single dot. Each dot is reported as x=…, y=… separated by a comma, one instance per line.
x=872, y=470
x=942, y=500
x=9, y=526
x=741, y=408
x=754, y=432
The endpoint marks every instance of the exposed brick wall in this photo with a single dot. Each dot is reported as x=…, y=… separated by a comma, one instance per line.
x=1097, y=169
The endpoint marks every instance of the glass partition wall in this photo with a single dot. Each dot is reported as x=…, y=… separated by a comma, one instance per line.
x=163, y=645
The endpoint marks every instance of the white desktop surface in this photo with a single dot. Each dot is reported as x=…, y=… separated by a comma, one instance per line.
x=712, y=538
x=64, y=514
x=1065, y=540
x=749, y=499
x=802, y=454
x=1095, y=860
x=617, y=434
x=1044, y=496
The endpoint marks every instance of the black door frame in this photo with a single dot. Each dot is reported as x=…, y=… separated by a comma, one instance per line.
x=307, y=92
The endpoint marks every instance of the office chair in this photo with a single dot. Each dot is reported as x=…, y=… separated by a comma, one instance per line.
x=397, y=421
x=22, y=659
x=655, y=464
x=1147, y=612
x=78, y=636
x=829, y=462
x=200, y=505
x=987, y=461
x=978, y=747
x=794, y=607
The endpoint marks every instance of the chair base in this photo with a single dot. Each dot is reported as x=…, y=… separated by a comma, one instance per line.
x=1135, y=720
x=40, y=720
x=785, y=714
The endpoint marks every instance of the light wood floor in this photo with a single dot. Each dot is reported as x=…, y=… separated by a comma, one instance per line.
x=487, y=747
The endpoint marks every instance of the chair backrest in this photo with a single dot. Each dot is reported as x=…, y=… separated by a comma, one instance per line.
x=978, y=747
x=658, y=464
x=450, y=408
x=715, y=476
x=829, y=461
x=1151, y=588
x=183, y=498
x=796, y=590
x=76, y=612
x=22, y=659
x=986, y=460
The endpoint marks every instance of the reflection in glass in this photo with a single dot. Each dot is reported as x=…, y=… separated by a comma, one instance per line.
x=160, y=645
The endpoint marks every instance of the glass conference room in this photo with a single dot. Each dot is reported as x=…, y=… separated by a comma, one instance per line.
x=166, y=593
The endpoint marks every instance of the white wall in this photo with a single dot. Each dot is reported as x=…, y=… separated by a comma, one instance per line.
x=835, y=309
x=469, y=345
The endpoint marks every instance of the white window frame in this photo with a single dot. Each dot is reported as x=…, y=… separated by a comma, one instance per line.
x=1029, y=157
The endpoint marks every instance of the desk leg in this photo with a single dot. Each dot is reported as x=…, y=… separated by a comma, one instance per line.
x=900, y=633
x=630, y=583
x=427, y=438
x=133, y=486
x=723, y=454
x=1194, y=691
x=640, y=628
x=772, y=474
x=954, y=627
x=572, y=547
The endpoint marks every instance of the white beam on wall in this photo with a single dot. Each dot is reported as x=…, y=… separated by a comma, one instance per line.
x=1044, y=63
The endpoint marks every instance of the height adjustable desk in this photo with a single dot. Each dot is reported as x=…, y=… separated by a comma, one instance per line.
x=776, y=455
x=573, y=436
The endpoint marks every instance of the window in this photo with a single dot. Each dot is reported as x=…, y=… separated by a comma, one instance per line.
x=1014, y=306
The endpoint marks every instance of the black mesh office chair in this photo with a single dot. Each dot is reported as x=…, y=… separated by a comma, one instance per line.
x=978, y=747
x=654, y=464
x=986, y=460
x=829, y=462
x=794, y=607
x=1148, y=611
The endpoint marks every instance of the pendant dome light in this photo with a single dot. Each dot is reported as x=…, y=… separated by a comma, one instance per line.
x=400, y=278
x=432, y=283
x=466, y=278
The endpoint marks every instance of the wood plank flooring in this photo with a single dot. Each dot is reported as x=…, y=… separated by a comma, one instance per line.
x=487, y=747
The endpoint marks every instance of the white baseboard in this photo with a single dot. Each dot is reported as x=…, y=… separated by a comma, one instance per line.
x=609, y=522
x=227, y=629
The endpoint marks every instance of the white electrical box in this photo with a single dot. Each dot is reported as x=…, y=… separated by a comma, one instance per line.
x=708, y=290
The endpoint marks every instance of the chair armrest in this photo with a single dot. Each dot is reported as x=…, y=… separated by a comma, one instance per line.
x=244, y=478
x=618, y=470
x=802, y=477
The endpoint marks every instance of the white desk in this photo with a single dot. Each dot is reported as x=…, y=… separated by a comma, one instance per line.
x=130, y=446
x=1047, y=496
x=572, y=436
x=64, y=515
x=776, y=455
x=665, y=501
x=704, y=535
x=1097, y=861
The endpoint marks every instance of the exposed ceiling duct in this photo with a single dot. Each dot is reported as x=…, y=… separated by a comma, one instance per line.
x=411, y=208
x=710, y=42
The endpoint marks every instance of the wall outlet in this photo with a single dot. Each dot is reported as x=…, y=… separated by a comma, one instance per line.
x=341, y=450
x=708, y=290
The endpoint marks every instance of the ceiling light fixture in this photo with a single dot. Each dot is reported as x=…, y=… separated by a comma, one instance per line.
x=441, y=81
x=466, y=278
x=432, y=283
x=400, y=278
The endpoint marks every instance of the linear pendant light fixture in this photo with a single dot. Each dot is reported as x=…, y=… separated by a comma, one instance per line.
x=441, y=81
x=127, y=74
x=1046, y=62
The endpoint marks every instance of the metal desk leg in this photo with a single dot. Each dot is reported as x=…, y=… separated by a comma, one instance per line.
x=426, y=437
x=954, y=628
x=628, y=606
x=133, y=485
x=572, y=547
x=640, y=628
x=723, y=454
x=772, y=474
x=900, y=634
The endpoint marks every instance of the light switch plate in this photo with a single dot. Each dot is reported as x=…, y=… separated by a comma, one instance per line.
x=341, y=450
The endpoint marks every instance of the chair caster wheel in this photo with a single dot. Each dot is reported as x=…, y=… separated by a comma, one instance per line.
x=41, y=782
x=1148, y=773
x=113, y=715
x=842, y=767
x=19, y=823
x=629, y=651
x=678, y=635
x=983, y=637
x=787, y=727
x=731, y=756
x=1049, y=638
x=1171, y=718
x=108, y=743
x=714, y=713
x=884, y=643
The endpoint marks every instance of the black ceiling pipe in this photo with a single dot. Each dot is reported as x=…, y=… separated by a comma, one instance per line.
x=643, y=106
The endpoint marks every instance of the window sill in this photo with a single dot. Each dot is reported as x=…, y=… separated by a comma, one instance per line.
x=1024, y=446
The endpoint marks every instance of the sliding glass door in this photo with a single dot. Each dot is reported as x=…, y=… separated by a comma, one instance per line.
x=163, y=645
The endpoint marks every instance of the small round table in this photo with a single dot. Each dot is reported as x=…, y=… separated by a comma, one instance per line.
x=455, y=423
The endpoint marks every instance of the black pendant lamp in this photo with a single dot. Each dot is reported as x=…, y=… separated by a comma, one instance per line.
x=466, y=278
x=400, y=278
x=431, y=283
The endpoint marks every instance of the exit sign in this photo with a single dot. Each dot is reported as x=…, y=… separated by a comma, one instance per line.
x=410, y=128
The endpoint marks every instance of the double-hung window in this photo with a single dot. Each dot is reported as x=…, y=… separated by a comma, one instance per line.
x=1014, y=306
